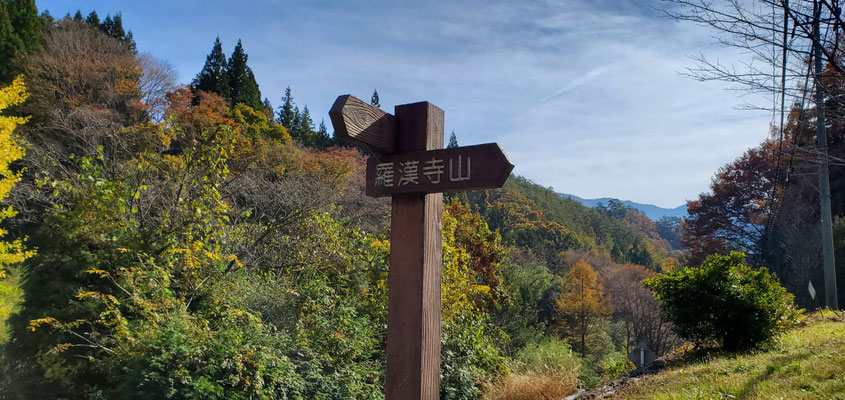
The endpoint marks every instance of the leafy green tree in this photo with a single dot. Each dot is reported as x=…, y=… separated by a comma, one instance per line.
x=242, y=85
x=725, y=301
x=78, y=16
x=254, y=124
x=527, y=306
x=470, y=353
x=374, y=99
x=214, y=76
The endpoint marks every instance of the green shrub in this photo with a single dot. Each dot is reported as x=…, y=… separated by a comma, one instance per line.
x=550, y=354
x=469, y=357
x=617, y=369
x=725, y=301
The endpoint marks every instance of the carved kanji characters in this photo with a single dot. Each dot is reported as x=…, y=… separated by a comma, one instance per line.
x=433, y=169
x=409, y=171
x=384, y=174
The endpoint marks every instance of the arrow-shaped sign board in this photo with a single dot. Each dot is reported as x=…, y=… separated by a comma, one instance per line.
x=435, y=171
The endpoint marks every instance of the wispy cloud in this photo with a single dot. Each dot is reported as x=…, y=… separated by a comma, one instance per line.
x=590, y=75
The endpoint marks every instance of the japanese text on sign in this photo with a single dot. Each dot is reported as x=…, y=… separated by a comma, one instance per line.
x=408, y=171
x=444, y=170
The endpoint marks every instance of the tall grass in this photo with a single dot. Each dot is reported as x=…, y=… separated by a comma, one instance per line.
x=544, y=370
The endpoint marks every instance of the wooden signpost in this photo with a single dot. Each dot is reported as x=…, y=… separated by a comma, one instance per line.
x=411, y=165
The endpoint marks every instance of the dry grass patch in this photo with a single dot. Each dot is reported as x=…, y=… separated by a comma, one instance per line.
x=535, y=387
x=545, y=370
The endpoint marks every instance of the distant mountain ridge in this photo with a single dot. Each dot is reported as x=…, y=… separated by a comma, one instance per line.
x=650, y=210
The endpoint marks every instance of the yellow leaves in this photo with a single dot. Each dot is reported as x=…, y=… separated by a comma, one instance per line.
x=102, y=273
x=36, y=323
x=460, y=291
x=13, y=94
x=583, y=295
x=234, y=258
x=59, y=348
x=381, y=246
x=10, y=151
x=83, y=295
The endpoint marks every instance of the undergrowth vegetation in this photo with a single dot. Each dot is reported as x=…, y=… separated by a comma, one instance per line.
x=805, y=363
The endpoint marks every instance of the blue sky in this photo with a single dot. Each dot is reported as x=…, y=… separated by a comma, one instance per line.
x=585, y=96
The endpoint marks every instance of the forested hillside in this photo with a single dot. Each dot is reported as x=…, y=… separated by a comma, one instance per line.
x=533, y=217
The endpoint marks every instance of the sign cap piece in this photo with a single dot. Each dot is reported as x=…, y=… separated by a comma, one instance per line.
x=363, y=124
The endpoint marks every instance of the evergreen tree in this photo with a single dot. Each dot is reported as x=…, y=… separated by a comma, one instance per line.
x=242, y=85
x=93, y=19
x=107, y=25
x=214, y=76
x=306, y=128
x=10, y=45
x=321, y=137
x=453, y=141
x=286, y=114
x=267, y=109
x=117, y=27
x=20, y=35
x=129, y=39
x=78, y=16
x=296, y=125
x=460, y=197
x=374, y=99
x=306, y=123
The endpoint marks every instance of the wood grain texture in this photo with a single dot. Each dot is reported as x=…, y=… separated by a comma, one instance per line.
x=363, y=124
x=489, y=168
x=415, y=272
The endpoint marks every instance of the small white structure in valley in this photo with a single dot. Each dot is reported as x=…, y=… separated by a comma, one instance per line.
x=641, y=355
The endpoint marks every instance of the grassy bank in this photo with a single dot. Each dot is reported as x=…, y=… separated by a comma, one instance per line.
x=10, y=295
x=806, y=363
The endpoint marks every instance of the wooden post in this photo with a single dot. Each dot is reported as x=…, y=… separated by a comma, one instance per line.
x=412, y=168
x=414, y=276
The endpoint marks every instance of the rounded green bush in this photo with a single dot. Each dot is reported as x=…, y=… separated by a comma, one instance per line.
x=725, y=301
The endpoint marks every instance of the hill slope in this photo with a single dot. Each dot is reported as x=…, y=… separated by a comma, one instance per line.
x=532, y=216
x=650, y=210
x=806, y=363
